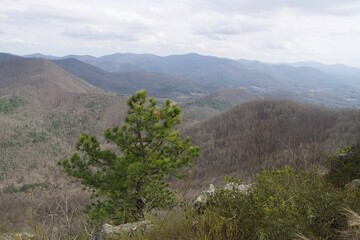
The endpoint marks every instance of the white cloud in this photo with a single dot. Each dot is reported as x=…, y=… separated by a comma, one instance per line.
x=93, y=33
x=275, y=31
x=12, y=40
x=335, y=7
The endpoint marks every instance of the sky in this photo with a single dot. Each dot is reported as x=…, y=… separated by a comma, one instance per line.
x=326, y=31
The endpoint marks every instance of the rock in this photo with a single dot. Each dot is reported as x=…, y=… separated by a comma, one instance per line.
x=18, y=236
x=203, y=198
x=126, y=229
x=238, y=187
x=352, y=186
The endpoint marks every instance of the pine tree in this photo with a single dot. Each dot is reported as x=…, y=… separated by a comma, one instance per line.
x=129, y=180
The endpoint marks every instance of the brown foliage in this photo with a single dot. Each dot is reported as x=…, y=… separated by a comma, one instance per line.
x=53, y=213
x=265, y=133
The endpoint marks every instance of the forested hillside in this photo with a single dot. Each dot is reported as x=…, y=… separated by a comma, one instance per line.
x=265, y=133
x=43, y=109
x=242, y=131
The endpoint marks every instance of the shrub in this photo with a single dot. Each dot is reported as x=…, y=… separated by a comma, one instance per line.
x=344, y=166
x=282, y=204
x=9, y=105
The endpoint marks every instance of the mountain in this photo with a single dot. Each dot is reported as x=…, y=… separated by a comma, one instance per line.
x=20, y=73
x=43, y=56
x=8, y=57
x=44, y=105
x=218, y=73
x=162, y=85
x=92, y=75
x=264, y=133
x=338, y=69
x=184, y=75
x=216, y=102
x=346, y=73
x=296, y=77
x=157, y=84
x=209, y=71
x=43, y=109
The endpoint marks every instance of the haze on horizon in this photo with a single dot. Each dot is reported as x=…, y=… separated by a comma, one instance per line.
x=326, y=31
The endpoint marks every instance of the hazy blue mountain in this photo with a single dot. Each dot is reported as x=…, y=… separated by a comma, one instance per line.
x=157, y=84
x=118, y=67
x=298, y=76
x=40, y=55
x=333, y=68
x=347, y=74
x=91, y=74
x=213, y=72
x=224, y=73
x=8, y=57
x=334, y=85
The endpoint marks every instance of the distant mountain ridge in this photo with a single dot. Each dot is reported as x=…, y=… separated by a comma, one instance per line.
x=20, y=72
x=59, y=98
x=157, y=84
x=331, y=85
x=192, y=65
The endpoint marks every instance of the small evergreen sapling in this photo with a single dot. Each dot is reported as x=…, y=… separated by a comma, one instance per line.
x=128, y=182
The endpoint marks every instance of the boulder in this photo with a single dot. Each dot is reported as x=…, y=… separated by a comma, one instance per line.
x=204, y=197
x=238, y=187
x=126, y=229
x=18, y=236
x=202, y=200
x=352, y=186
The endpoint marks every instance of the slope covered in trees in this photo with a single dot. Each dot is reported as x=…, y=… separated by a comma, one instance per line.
x=256, y=135
x=43, y=109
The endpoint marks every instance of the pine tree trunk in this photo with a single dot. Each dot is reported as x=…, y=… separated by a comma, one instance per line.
x=140, y=201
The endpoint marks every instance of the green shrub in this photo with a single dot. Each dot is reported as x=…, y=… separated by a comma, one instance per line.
x=8, y=105
x=282, y=203
x=344, y=166
x=214, y=103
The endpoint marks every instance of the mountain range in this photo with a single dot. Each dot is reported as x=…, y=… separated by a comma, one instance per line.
x=191, y=75
x=47, y=101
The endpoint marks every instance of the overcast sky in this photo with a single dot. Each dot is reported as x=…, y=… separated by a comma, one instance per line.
x=327, y=31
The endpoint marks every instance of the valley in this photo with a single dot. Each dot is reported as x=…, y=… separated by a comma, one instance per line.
x=57, y=98
x=246, y=117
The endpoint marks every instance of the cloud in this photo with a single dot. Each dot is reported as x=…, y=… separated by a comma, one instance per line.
x=277, y=45
x=334, y=7
x=41, y=17
x=276, y=30
x=93, y=33
x=12, y=40
x=2, y=32
x=218, y=31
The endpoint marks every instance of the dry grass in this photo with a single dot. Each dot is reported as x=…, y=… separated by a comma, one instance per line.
x=353, y=231
x=299, y=236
